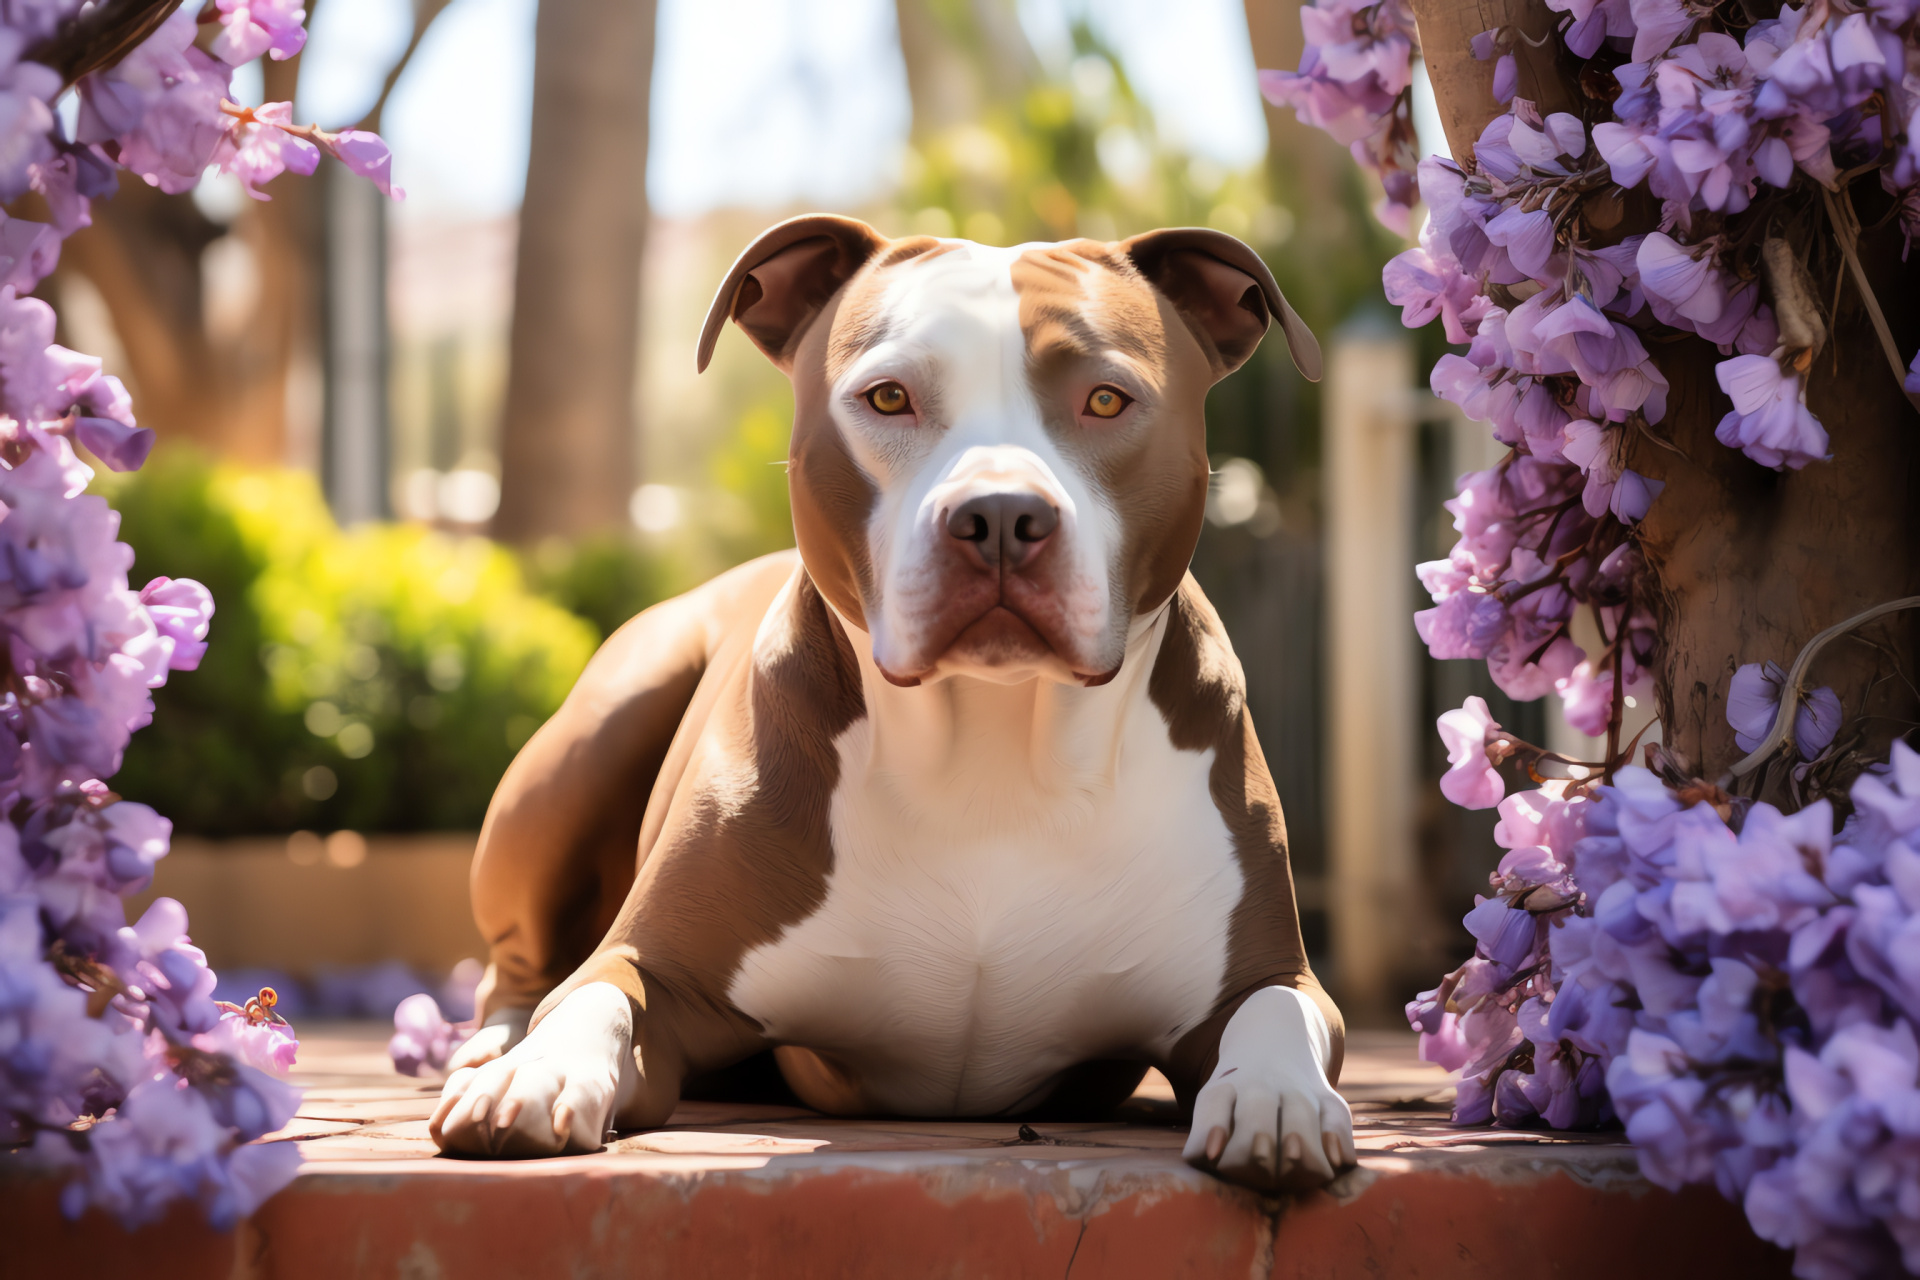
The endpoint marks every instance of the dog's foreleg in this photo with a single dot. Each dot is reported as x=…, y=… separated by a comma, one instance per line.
x=1268, y=1117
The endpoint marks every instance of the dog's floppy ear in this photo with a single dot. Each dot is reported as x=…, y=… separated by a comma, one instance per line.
x=781, y=281
x=1225, y=292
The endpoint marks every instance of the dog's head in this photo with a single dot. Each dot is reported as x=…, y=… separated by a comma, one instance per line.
x=999, y=455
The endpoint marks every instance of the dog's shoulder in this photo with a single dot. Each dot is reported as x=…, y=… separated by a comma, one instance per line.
x=736, y=846
x=803, y=681
x=1197, y=682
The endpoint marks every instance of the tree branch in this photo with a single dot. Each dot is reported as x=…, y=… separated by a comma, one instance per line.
x=99, y=37
x=1781, y=734
x=424, y=12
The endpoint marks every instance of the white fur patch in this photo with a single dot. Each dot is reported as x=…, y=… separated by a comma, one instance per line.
x=954, y=339
x=1025, y=877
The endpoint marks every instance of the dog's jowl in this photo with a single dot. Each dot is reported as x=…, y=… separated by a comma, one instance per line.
x=958, y=810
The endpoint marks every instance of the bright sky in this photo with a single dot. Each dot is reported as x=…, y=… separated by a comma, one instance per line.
x=755, y=102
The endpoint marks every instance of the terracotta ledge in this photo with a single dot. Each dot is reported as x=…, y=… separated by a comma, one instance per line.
x=731, y=1191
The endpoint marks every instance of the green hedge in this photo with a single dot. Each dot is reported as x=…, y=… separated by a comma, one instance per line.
x=379, y=678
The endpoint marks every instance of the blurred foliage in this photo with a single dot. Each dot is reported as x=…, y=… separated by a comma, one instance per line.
x=1077, y=155
x=379, y=679
x=605, y=580
x=730, y=506
x=752, y=514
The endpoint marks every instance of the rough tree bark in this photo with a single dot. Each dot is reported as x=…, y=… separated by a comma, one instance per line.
x=567, y=439
x=1748, y=564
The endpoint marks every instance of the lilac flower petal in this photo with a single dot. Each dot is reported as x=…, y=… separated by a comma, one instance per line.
x=1753, y=700
x=1689, y=283
x=182, y=612
x=367, y=155
x=1506, y=78
x=1816, y=722
x=121, y=447
x=1470, y=782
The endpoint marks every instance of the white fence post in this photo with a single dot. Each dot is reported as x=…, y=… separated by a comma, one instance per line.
x=1369, y=445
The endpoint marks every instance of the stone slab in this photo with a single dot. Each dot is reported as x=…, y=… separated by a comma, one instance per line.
x=727, y=1190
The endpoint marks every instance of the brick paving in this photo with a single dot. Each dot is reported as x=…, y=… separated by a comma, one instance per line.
x=743, y=1190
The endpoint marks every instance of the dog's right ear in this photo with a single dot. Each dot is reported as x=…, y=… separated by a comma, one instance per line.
x=783, y=279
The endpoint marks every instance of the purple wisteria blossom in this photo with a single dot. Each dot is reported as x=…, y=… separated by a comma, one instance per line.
x=1496, y=1020
x=1682, y=283
x=1770, y=422
x=116, y=1062
x=1353, y=81
x=1753, y=700
x=251, y=28
x=182, y=612
x=1471, y=782
x=259, y=147
x=1735, y=984
x=423, y=1040
x=160, y=106
x=365, y=154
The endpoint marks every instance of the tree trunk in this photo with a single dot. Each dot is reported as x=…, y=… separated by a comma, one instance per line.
x=1748, y=564
x=960, y=58
x=567, y=440
x=1752, y=563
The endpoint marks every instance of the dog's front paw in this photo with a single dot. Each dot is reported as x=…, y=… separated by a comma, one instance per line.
x=1268, y=1118
x=555, y=1091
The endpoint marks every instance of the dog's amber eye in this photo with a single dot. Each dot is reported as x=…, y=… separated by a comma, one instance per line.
x=1107, y=402
x=890, y=398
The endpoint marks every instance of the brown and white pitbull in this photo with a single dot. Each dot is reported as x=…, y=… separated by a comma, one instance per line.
x=958, y=810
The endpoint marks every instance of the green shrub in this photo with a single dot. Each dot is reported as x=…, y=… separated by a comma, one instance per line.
x=379, y=678
x=605, y=580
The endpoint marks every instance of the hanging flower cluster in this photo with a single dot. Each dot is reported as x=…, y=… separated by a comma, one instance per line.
x=164, y=113
x=1711, y=113
x=1495, y=1019
x=1355, y=82
x=114, y=1058
x=115, y=1061
x=1737, y=985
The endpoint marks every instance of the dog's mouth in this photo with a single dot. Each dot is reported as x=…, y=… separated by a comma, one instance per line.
x=1000, y=637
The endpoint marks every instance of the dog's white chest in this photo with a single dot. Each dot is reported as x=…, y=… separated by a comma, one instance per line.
x=975, y=942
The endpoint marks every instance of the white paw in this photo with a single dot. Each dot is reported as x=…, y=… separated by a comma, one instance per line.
x=1268, y=1118
x=503, y=1030
x=555, y=1091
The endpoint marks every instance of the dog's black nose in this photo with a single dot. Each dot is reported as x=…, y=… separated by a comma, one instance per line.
x=1004, y=527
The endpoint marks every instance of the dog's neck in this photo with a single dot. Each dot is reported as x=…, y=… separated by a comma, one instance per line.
x=972, y=743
